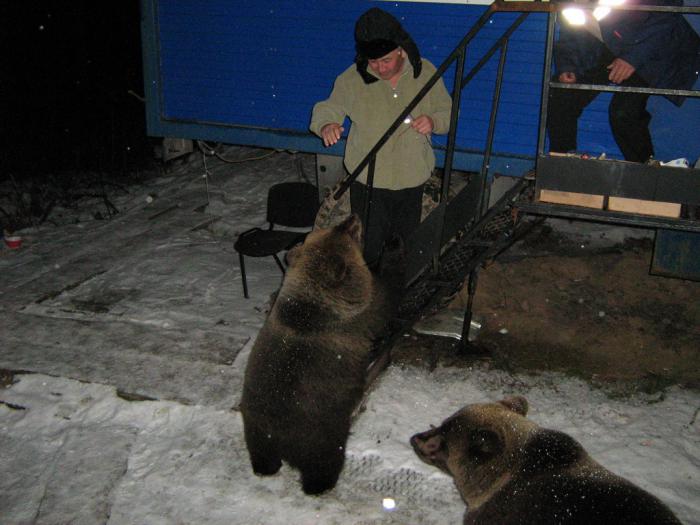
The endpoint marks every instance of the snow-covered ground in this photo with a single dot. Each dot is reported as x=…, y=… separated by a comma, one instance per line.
x=134, y=333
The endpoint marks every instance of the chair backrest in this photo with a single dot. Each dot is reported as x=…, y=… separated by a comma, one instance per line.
x=293, y=204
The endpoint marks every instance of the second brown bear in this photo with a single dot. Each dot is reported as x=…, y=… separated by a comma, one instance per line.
x=510, y=471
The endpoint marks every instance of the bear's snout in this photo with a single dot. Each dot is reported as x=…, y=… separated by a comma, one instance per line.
x=430, y=447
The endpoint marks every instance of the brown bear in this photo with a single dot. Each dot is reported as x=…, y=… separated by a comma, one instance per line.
x=307, y=371
x=509, y=470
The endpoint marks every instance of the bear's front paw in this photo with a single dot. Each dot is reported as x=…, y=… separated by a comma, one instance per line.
x=316, y=486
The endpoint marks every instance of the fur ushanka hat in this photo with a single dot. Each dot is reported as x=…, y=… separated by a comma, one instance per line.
x=377, y=33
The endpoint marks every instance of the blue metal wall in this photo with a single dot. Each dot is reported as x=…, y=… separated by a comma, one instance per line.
x=249, y=72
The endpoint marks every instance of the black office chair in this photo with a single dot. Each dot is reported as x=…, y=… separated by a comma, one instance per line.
x=291, y=204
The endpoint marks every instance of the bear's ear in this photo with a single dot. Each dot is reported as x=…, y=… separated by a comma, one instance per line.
x=517, y=404
x=337, y=269
x=484, y=444
x=352, y=226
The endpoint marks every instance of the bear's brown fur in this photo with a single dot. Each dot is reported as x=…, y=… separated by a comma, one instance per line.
x=511, y=471
x=307, y=370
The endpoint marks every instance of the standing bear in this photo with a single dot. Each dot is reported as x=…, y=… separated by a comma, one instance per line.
x=307, y=371
x=510, y=471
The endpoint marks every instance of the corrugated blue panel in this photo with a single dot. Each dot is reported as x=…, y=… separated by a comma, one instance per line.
x=264, y=63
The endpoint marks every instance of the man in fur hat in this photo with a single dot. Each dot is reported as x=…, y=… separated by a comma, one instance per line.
x=388, y=72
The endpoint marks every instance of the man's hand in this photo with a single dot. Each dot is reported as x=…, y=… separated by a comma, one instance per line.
x=331, y=133
x=620, y=71
x=567, y=77
x=423, y=125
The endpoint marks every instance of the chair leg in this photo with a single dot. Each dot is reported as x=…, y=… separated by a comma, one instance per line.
x=245, y=283
x=279, y=263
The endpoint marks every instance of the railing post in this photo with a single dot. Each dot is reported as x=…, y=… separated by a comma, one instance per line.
x=451, y=141
x=546, y=76
x=484, y=174
x=484, y=193
x=454, y=115
x=368, y=199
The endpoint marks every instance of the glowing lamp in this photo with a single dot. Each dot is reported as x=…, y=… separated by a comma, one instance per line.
x=601, y=12
x=603, y=8
x=574, y=15
x=577, y=17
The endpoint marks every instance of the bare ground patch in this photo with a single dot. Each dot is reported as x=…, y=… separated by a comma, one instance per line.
x=551, y=305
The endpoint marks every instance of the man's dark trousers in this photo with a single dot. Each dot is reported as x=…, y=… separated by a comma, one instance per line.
x=629, y=118
x=393, y=212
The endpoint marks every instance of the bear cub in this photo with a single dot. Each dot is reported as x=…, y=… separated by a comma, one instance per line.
x=509, y=470
x=307, y=370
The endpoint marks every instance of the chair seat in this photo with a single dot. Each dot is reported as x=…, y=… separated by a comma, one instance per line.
x=289, y=204
x=262, y=243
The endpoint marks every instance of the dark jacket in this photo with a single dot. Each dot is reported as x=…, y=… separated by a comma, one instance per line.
x=663, y=47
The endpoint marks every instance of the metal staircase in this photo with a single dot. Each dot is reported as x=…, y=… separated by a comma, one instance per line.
x=463, y=232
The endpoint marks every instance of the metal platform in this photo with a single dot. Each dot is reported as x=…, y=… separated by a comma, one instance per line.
x=607, y=216
x=618, y=178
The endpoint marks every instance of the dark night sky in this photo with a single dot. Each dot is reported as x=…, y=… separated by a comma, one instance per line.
x=68, y=67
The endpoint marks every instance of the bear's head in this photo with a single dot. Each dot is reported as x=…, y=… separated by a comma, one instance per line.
x=327, y=279
x=478, y=446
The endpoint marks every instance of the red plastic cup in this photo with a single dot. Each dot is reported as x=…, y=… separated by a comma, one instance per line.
x=13, y=241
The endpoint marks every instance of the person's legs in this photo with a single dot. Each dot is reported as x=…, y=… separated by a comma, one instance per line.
x=629, y=121
x=393, y=212
x=406, y=209
x=379, y=227
x=566, y=105
x=565, y=108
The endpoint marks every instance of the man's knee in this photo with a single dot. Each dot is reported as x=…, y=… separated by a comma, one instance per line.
x=624, y=109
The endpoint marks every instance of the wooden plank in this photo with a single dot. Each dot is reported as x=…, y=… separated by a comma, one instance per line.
x=572, y=199
x=644, y=207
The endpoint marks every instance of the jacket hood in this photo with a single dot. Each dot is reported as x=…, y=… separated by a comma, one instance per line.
x=377, y=33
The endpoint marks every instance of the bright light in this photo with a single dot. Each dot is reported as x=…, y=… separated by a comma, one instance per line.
x=601, y=12
x=388, y=503
x=577, y=17
x=603, y=8
x=574, y=15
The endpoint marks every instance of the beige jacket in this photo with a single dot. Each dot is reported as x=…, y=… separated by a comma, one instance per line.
x=407, y=159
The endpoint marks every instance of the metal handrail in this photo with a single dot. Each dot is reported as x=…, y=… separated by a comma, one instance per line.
x=459, y=50
x=459, y=55
x=628, y=89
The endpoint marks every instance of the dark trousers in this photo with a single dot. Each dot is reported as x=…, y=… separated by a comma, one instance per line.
x=629, y=118
x=393, y=212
